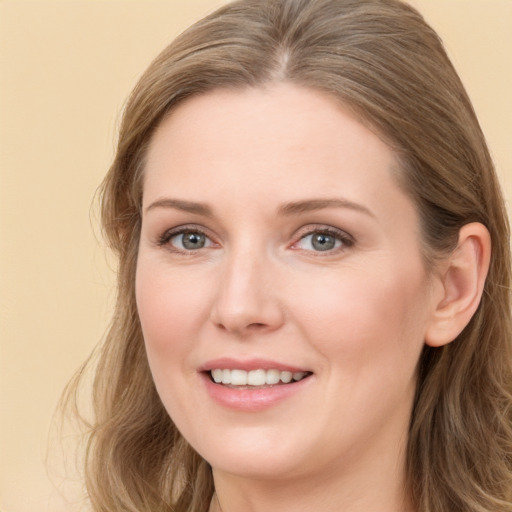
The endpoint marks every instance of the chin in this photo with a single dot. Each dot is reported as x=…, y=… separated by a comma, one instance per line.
x=257, y=453
x=256, y=466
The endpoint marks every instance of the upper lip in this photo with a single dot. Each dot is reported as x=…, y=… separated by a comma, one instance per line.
x=227, y=363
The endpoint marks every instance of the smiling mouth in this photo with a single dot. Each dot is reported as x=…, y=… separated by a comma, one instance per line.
x=252, y=379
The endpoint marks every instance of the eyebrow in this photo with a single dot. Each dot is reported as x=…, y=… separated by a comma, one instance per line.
x=309, y=205
x=186, y=206
x=287, y=209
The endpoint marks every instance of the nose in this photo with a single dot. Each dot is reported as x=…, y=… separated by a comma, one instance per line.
x=247, y=298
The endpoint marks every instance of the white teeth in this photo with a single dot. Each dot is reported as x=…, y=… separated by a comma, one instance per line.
x=286, y=377
x=255, y=377
x=238, y=378
x=273, y=376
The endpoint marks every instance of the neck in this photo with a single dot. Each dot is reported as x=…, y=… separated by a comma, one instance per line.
x=376, y=488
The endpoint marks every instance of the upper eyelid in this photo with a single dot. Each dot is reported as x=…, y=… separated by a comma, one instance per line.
x=319, y=228
x=167, y=234
x=186, y=227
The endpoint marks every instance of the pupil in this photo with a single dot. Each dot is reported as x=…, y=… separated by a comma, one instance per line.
x=193, y=241
x=323, y=242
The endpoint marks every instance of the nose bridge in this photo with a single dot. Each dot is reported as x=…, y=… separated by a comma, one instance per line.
x=246, y=299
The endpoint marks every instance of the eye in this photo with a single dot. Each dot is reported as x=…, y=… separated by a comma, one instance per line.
x=324, y=240
x=190, y=241
x=186, y=240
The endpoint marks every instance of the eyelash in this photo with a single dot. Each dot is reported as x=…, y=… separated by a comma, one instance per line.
x=345, y=240
x=165, y=239
x=340, y=236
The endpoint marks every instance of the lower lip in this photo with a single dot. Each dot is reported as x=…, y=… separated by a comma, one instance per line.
x=252, y=400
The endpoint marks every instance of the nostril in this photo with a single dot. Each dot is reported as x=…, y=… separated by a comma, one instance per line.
x=244, y=316
x=254, y=327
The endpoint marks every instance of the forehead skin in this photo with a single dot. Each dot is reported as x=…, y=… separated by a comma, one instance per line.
x=236, y=137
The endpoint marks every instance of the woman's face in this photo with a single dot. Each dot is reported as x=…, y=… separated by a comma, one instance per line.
x=280, y=285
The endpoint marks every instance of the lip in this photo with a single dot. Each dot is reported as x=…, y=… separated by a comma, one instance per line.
x=227, y=363
x=251, y=400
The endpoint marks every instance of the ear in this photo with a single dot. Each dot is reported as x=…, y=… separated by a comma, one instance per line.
x=461, y=277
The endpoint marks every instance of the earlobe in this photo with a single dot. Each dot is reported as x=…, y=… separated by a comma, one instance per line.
x=461, y=285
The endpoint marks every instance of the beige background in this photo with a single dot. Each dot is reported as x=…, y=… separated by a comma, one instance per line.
x=65, y=69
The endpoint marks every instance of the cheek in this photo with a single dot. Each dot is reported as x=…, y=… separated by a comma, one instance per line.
x=369, y=313
x=170, y=309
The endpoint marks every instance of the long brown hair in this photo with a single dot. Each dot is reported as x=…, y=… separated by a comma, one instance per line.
x=380, y=59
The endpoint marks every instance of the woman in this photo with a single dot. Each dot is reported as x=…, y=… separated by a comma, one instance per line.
x=309, y=315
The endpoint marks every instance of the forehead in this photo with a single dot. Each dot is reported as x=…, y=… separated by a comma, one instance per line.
x=282, y=127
